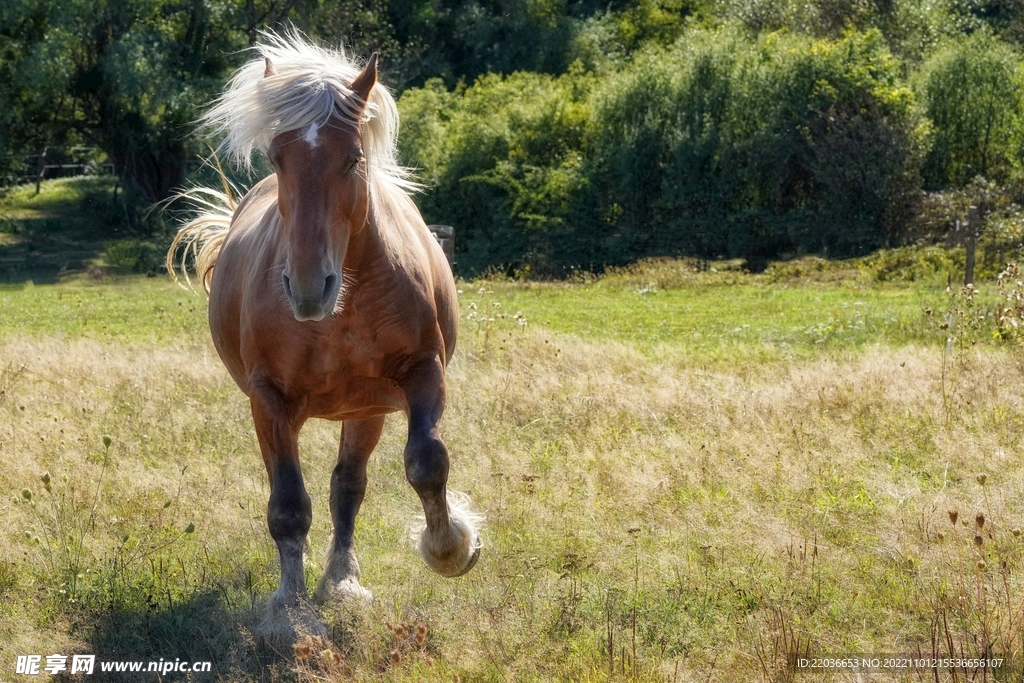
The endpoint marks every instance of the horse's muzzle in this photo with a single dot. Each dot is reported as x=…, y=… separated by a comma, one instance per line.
x=316, y=297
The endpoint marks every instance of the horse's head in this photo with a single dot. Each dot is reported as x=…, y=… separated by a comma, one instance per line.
x=323, y=196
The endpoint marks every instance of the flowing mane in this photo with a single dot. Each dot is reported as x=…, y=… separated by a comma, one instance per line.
x=309, y=87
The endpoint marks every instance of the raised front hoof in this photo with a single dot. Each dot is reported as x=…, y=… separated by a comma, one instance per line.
x=472, y=563
x=286, y=622
x=454, y=550
x=345, y=590
x=453, y=563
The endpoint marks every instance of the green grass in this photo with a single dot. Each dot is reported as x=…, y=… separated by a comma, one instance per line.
x=700, y=323
x=61, y=197
x=779, y=484
x=124, y=310
x=716, y=320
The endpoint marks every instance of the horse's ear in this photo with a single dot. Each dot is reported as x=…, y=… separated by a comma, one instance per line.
x=270, y=70
x=364, y=82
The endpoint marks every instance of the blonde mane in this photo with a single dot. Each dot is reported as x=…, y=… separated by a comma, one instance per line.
x=309, y=87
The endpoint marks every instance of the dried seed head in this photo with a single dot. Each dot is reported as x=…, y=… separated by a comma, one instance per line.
x=953, y=514
x=326, y=656
x=421, y=635
x=396, y=657
x=981, y=478
x=1016, y=532
x=980, y=519
x=303, y=649
x=399, y=630
x=981, y=565
x=978, y=540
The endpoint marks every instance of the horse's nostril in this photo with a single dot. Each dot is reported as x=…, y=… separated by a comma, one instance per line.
x=329, y=286
x=287, y=285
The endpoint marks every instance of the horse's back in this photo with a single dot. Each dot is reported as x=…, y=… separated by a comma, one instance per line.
x=249, y=242
x=417, y=251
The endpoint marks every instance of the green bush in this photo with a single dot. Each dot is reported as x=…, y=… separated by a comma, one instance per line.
x=972, y=89
x=725, y=146
x=503, y=161
x=718, y=146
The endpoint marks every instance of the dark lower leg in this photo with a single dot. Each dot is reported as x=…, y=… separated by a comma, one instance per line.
x=450, y=542
x=348, y=488
x=289, y=515
x=426, y=468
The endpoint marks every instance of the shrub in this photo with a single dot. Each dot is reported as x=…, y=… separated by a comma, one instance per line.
x=972, y=90
x=503, y=161
x=718, y=146
x=724, y=146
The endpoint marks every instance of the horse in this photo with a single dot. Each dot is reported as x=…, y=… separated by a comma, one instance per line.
x=328, y=298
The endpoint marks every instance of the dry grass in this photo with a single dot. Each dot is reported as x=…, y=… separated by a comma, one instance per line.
x=706, y=522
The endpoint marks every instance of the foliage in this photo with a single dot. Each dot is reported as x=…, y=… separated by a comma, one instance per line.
x=725, y=146
x=566, y=134
x=912, y=28
x=508, y=151
x=973, y=93
x=930, y=264
x=123, y=76
x=718, y=146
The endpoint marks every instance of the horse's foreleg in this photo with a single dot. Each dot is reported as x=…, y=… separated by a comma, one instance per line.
x=348, y=486
x=450, y=542
x=289, y=515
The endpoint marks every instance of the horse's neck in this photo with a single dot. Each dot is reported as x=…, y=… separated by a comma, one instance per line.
x=368, y=243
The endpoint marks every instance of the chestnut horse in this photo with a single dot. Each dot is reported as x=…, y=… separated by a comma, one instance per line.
x=329, y=298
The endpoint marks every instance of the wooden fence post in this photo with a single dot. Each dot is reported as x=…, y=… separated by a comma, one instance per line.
x=41, y=168
x=970, y=242
x=445, y=236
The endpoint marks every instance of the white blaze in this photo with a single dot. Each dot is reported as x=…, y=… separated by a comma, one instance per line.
x=311, y=135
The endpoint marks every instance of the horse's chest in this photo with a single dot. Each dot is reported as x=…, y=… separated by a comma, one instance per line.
x=343, y=376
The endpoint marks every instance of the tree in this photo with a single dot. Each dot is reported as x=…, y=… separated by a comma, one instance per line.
x=973, y=93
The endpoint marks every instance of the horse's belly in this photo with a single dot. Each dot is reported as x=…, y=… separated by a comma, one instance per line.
x=357, y=398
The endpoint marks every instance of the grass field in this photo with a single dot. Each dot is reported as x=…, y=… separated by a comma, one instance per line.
x=687, y=477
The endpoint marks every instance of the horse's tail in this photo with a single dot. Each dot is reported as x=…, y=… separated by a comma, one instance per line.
x=202, y=237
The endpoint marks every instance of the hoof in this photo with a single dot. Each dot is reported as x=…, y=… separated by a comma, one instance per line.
x=286, y=622
x=470, y=565
x=344, y=590
x=453, y=553
x=341, y=579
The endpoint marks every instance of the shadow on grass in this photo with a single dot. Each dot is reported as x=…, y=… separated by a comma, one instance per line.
x=173, y=639
x=44, y=250
x=68, y=229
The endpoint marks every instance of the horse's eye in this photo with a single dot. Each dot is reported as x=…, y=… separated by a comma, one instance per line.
x=353, y=163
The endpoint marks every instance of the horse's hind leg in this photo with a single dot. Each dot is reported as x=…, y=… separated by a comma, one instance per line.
x=348, y=486
x=289, y=515
x=450, y=542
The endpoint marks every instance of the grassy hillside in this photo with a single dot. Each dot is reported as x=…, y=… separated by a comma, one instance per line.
x=687, y=476
x=73, y=227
